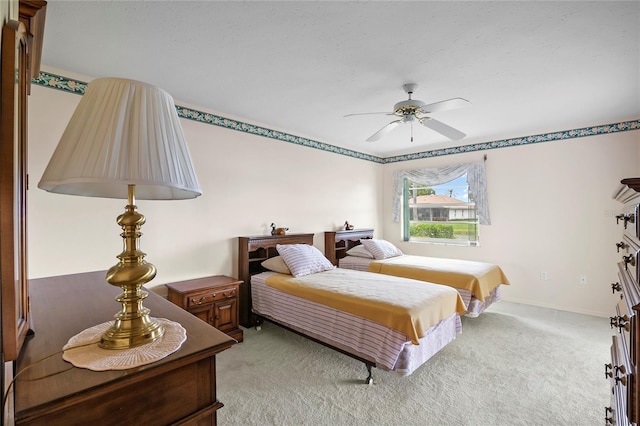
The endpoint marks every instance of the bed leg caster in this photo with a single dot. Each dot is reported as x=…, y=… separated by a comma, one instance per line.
x=257, y=322
x=369, y=379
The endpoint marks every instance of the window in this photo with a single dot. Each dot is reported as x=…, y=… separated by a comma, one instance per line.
x=444, y=213
x=443, y=204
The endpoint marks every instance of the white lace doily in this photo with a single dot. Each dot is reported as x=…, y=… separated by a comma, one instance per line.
x=82, y=350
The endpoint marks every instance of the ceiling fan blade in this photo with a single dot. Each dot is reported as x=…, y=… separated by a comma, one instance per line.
x=447, y=105
x=386, y=129
x=368, y=113
x=443, y=129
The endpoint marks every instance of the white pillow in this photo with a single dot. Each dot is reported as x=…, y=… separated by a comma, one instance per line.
x=276, y=264
x=303, y=259
x=360, y=251
x=381, y=249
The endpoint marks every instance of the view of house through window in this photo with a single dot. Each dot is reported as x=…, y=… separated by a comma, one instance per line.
x=444, y=213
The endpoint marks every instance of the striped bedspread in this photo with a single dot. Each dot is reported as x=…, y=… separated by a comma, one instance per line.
x=479, y=278
x=403, y=305
x=388, y=348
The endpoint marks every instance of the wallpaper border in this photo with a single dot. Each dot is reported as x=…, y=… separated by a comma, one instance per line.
x=65, y=84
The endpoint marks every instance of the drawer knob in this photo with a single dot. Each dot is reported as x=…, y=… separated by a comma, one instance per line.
x=623, y=322
x=198, y=301
x=626, y=218
x=608, y=415
x=615, y=287
x=607, y=371
x=623, y=371
x=629, y=219
x=620, y=245
x=630, y=259
x=620, y=322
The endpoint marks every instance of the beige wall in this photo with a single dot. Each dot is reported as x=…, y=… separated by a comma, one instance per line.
x=551, y=207
x=247, y=183
x=552, y=210
x=8, y=10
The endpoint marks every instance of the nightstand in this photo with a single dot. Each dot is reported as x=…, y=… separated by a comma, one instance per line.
x=212, y=299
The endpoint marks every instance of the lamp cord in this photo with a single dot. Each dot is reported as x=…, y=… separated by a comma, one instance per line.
x=15, y=376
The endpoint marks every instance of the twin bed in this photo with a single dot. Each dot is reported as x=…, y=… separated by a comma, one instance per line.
x=477, y=282
x=386, y=321
x=391, y=323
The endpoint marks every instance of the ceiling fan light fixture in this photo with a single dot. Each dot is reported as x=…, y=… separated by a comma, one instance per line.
x=410, y=106
x=412, y=110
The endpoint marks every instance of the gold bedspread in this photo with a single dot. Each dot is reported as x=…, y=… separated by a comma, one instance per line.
x=478, y=277
x=403, y=305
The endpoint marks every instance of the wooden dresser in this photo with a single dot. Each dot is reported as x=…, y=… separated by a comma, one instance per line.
x=623, y=370
x=212, y=299
x=179, y=389
x=252, y=251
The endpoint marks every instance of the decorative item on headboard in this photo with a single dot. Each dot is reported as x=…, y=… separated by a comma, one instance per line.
x=347, y=226
x=278, y=231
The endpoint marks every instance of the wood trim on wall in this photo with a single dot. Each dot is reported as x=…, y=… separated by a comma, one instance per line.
x=13, y=188
x=32, y=15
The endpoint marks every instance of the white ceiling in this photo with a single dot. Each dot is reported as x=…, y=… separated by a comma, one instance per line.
x=526, y=67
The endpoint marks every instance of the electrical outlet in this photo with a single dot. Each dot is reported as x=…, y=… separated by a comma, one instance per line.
x=583, y=280
x=544, y=276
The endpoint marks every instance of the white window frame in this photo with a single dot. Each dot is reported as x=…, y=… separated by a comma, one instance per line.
x=476, y=178
x=474, y=241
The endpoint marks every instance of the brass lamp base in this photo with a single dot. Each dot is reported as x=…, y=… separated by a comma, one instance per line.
x=133, y=326
x=126, y=334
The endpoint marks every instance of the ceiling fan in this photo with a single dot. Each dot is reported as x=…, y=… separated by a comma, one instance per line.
x=413, y=110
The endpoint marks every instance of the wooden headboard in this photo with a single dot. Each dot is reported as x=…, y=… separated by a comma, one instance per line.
x=336, y=243
x=252, y=251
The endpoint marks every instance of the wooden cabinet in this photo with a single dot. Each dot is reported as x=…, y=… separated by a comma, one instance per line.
x=212, y=299
x=622, y=371
x=252, y=251
x=178, y=389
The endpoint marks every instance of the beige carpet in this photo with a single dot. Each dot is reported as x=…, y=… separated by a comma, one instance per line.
x=514, y=365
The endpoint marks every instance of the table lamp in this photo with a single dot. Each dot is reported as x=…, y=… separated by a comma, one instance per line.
x=125, y=140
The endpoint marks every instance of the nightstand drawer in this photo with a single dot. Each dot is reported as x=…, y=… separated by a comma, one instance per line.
x=212, y=296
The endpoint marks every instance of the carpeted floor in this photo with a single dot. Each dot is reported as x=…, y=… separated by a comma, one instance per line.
x=514, y=365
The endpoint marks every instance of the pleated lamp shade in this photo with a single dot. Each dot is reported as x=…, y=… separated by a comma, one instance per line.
x=123, y=132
